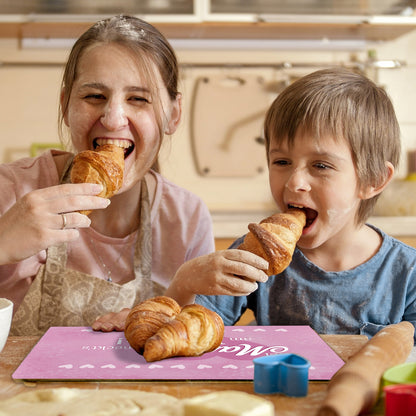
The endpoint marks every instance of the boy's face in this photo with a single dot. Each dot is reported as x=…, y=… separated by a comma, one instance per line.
x=319, y=176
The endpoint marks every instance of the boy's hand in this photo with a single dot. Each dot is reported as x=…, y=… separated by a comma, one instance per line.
x=227, y=272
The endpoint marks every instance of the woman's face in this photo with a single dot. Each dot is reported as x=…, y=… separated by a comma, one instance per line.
x=111, y=102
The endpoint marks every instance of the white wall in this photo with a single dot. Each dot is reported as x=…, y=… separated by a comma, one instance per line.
x=29, y=99
x=401, y=86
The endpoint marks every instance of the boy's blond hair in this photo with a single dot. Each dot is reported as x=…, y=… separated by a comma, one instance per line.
x=345, y=105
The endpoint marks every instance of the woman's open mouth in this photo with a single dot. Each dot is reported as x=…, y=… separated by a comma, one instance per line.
x=126, y=145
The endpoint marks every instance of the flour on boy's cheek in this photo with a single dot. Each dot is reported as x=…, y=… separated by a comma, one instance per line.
x=335, y=215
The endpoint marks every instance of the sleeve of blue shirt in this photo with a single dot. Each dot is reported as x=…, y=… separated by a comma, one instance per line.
x=362, y=300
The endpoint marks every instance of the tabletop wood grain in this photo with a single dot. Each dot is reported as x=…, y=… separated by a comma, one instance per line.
x=17, y=348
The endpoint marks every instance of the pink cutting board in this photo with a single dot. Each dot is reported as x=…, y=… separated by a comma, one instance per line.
x=78, y=353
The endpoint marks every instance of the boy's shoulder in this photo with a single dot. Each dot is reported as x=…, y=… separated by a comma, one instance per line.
x=394, y=257
x=390, y=242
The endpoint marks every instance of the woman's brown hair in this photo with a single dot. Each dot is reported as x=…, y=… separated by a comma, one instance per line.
x=148, y=45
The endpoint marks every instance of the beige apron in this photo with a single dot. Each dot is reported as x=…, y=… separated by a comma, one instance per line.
x=62, y=297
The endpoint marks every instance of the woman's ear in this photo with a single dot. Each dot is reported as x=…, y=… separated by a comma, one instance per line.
x=372, y=190
x=175, y=115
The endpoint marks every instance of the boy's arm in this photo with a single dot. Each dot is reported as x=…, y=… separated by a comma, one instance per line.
x=225, y=272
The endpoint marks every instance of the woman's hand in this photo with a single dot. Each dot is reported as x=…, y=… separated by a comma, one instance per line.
x=227, y=272
x=46, y=217
x=113, y=321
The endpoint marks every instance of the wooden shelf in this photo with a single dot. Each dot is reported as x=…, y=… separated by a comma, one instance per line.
x=220, y=30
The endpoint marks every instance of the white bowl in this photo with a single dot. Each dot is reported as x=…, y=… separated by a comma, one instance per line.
x=6, y=312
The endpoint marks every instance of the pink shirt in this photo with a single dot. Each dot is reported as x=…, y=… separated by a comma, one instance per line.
x=181, y=230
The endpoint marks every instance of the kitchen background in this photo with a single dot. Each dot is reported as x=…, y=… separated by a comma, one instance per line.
x=236, y=56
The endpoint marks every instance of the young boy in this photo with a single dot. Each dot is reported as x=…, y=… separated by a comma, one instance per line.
x=332, y=142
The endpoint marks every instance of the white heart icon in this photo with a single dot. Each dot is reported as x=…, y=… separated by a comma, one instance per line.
x=65, y=366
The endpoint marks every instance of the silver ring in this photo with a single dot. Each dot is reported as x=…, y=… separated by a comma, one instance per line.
x=63, y=221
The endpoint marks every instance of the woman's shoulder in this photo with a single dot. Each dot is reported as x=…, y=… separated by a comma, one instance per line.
x=40, y=171
x=170, y=193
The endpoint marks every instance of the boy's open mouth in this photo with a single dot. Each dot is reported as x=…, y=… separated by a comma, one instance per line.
x=127, y=145
x=310, y=213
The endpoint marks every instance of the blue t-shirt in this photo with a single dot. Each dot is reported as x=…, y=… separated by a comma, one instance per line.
x=380, y=292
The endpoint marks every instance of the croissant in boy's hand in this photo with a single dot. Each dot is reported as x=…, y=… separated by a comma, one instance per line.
x=190, y=331
x=275, y=238
x=104, y=166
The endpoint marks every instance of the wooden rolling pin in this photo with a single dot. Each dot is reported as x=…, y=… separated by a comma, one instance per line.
x=354, y=388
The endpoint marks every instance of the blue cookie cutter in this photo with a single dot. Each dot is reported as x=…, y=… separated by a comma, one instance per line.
x=282, y=373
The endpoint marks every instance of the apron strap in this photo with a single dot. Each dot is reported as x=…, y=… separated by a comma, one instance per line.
x=143, y=250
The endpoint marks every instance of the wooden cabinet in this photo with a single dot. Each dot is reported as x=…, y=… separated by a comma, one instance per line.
x=223, y=243
x=216, y=19
x=378, y=31
x=411, y=241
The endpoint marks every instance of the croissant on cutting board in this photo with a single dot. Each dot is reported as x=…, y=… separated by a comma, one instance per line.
x=146, y=318
x=194, y=331
x=104, y=166
x=275, y=238
x=190, y=331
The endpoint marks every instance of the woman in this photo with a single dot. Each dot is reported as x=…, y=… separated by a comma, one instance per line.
x=61, y=267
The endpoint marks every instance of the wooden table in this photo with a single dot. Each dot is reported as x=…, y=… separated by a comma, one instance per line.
x=17, y=348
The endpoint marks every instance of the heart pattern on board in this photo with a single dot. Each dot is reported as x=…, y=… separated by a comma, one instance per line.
x=92, y=355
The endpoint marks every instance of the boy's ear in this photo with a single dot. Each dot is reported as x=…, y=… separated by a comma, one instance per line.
x=175, y=115
x=372, y=190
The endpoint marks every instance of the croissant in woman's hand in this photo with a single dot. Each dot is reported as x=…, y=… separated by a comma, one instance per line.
x=275, y=238
x=104, y=166
x=160, y=329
